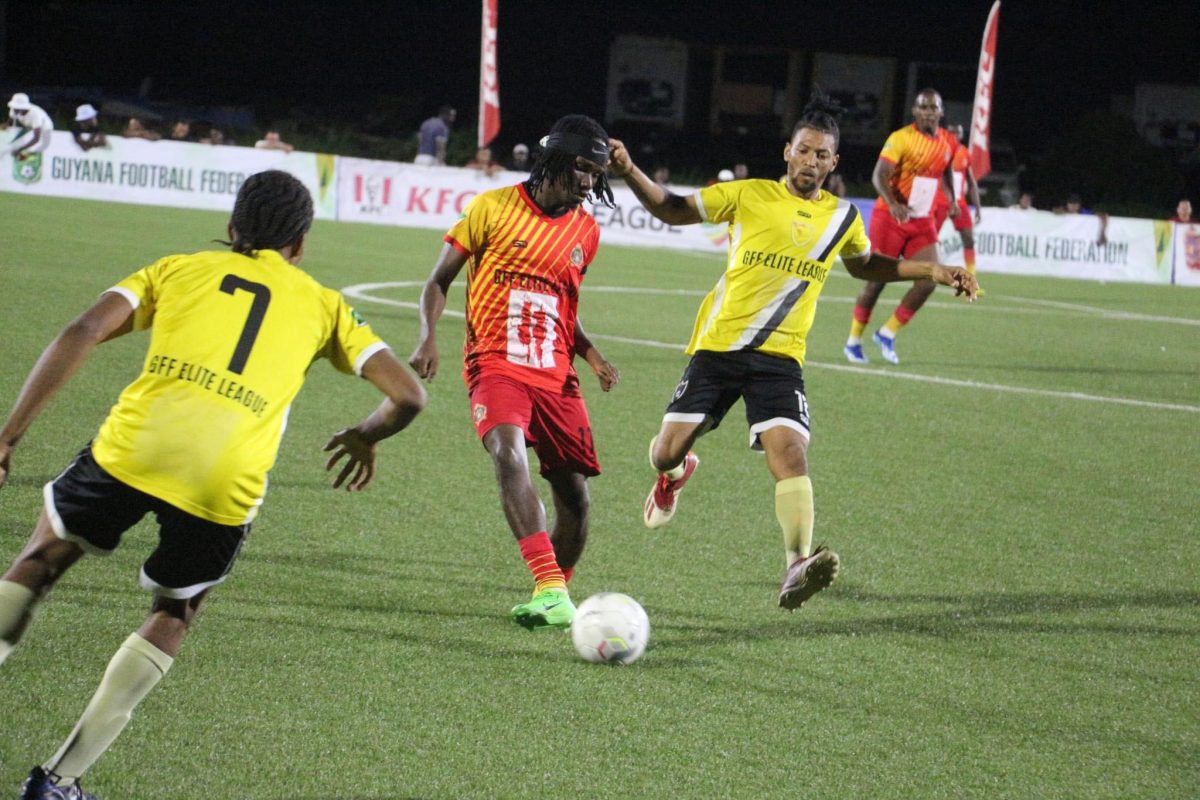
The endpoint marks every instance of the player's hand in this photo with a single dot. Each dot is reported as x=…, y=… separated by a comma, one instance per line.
x=954, y=210
x=607, y=374
x=978, y=215
x=958, y=279
x=900, y=212
x=620, y=164
x=5, y=461
x=424, y=359
x=359, y=469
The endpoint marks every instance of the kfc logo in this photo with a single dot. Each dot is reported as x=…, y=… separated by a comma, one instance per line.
x=372, y=193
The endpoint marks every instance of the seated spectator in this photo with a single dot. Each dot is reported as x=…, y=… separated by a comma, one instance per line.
x=483, y=162
x=34, y=127
x=214, y=136
x=271, y=141
x=835, y=184
x=741, y=171
x=87, y=128
x=1024, y=202
x=662, y=175
x=1074, y=205
x=181, y=131
x=134, y=129
x=519, y=162
x=1183, y=212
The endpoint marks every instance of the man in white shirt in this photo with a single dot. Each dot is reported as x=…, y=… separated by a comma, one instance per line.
x=34, y=127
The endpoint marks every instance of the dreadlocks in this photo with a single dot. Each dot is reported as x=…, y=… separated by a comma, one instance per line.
x=273, y=210
x=821, y=114
x=556, y=162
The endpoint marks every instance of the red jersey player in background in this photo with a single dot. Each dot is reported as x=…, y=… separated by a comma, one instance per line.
x=912, y=167
x=526, y=248
x=964, y=187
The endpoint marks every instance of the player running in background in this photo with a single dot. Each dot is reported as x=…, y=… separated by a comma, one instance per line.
x=749, y=336
x=964, y=187
x=192, y=438
x=913, y=165
x=527, y=248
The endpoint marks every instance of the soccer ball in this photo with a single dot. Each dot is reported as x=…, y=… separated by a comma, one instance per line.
x=610, y=628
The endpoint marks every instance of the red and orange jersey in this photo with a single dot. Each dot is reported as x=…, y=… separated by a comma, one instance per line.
x=915, y=156
x=523, y=278
x=959, y=164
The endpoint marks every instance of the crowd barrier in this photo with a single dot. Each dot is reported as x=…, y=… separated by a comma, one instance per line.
x=190, y=175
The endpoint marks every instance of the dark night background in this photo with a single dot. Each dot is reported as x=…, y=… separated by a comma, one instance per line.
x=384, y=66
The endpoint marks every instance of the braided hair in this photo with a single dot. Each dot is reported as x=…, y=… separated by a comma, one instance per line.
x=821, y=114
x=273, y=210
x=555, y=166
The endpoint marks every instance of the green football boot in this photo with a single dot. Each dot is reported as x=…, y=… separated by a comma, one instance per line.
x=549, y=608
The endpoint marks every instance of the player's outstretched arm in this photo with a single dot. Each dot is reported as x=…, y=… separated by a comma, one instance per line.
x=424, y=359
x=111, y=316
x=605, y=372
x=404, y=398
x=884, y=269
x=658, y=200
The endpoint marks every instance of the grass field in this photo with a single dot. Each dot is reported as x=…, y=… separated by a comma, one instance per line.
x=1016, y=508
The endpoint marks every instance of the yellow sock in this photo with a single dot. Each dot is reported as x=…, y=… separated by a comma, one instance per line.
x=131, y=674
x=794, y=510
x=16, y=604
x=856, y=330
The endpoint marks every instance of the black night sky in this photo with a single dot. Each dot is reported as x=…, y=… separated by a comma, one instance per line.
x=1056, y=60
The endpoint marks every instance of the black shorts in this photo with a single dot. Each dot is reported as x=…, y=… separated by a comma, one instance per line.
x=88, y=506
x=772, y=386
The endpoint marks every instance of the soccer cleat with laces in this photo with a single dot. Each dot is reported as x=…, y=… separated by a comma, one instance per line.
x=40, y=785
x=660, y=505
x=854, y=354
x=549, y=608
x=807, y=576
x=887, y=348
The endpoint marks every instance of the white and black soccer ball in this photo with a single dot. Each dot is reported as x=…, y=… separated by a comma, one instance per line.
x=610, y=628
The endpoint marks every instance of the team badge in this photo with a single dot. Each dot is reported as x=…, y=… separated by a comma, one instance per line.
x=577, y=255
x=480, y=413
x=29, y=170
x=680, y=389
x=800, y=232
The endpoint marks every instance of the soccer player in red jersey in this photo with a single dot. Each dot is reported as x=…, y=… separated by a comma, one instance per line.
x=913, y=167
x=526, y=248
x=964, y=187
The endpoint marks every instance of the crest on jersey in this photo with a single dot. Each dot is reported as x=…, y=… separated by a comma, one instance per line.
x=479, y=413
x=577, y=255
x=680, y=389
x=801, y=231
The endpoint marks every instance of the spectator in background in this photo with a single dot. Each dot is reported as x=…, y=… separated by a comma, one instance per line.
x=1074, y=205
x=1024, y=202
x=214, y=136
x=662, y=175
x=271, y=141
x=134, y=129
x=87, y=128
x=483, y=162
x=519, y=162
x=181, y=131
x=433, y=136
x=740, y=171
x=34, y=127
x=835, y=185
x=1183, y=212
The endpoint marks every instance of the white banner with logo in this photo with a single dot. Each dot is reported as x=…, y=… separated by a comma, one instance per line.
x=412, y=196
x=1065, y=246
x=1187, y=254
x=162, y=173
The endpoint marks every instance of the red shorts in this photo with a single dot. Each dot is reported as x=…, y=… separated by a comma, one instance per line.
x=556, y=425
x=901, y=241
x=963, y=221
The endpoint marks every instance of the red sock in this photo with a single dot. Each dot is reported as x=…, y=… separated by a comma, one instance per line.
x=862, y=314
x=539, y=556
x=904, y=314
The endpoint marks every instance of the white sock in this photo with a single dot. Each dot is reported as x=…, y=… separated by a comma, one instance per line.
x=131, y=674
x=16, y=603
x=853, y=340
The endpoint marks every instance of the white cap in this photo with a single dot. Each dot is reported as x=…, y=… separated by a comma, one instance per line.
x=725, y=175
x=85, y=112
x=20, y=102
x=520, y=148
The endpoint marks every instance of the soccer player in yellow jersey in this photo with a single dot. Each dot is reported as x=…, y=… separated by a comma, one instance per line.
x=192, y=438
x=749, y=336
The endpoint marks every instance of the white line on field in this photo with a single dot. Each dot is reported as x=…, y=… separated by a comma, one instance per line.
x=362, y=291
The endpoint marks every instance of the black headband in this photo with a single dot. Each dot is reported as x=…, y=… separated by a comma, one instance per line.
x=594, y=150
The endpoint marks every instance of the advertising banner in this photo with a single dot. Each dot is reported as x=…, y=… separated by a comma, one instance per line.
x=489, y=76
x=1187, y=254
x=647, y=80
x=162, y=173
